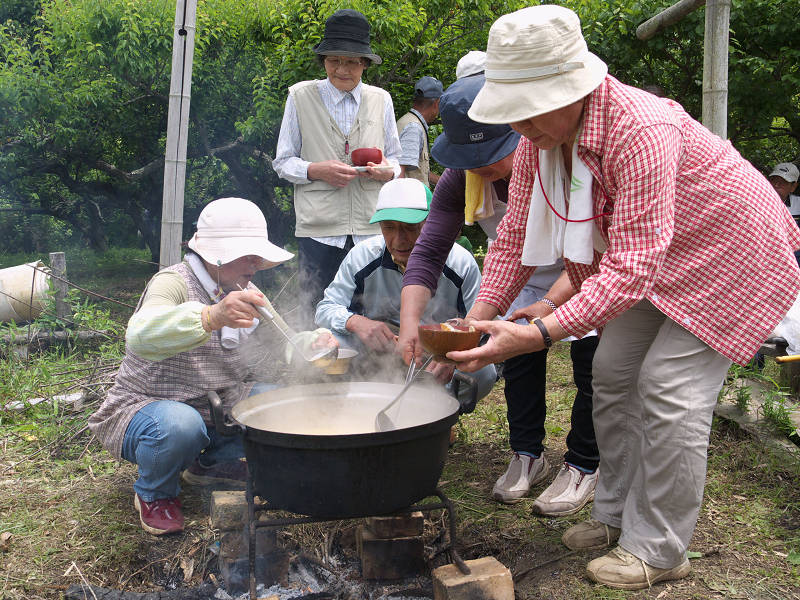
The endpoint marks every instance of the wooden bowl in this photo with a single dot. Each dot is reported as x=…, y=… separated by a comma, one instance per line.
x=439, y=342
x=361, y=156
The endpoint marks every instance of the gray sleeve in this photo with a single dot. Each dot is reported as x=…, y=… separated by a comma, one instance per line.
x=411, y=139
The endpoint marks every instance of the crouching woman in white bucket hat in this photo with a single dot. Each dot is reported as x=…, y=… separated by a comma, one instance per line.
x=680, y=250
x=183, y=341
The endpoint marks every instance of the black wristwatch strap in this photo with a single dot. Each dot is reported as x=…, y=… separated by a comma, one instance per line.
x=548, y=341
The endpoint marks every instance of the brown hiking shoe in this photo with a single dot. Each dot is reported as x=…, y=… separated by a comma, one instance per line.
x=590, y=535
x=622, y=570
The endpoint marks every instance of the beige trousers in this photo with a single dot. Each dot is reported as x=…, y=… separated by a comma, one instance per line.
x=655, y=388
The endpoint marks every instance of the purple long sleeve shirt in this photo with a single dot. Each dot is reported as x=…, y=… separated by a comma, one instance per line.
x=441, y=228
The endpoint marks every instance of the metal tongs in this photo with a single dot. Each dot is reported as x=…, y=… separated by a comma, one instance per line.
x=382, y=420
x=323, y=353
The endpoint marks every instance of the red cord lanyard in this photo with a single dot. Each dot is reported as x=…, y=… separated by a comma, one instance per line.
x=563, y=218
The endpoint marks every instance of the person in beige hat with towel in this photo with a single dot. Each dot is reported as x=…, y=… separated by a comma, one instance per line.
x=648, y=209
x=187, y=337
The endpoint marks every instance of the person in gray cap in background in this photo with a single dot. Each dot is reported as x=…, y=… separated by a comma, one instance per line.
x=784, y=179
x=474, y=189
x=413, y=127
x=323, y=122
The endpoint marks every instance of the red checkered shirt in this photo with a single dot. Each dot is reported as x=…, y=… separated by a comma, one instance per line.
x=691, y=226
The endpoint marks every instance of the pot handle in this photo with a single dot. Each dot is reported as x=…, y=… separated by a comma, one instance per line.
x=460, y=378
x=222, y=421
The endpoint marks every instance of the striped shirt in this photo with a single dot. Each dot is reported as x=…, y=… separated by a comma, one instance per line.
x=412, y=138
x=690, y=225
x=342, y=107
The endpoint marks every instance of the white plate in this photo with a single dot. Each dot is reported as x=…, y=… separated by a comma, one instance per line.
x=364, y=169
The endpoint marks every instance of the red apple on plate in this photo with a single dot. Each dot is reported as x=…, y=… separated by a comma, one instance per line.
x=362, y=156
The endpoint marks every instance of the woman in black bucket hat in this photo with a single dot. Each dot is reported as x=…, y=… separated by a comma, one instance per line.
x=347, y=34
x=324, y=121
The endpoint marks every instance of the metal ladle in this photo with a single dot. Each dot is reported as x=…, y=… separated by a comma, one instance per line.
x=382, y=421
x=331, y=352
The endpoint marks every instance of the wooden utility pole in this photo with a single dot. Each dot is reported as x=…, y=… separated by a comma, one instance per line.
x=177, y=132
x=715, y=54
x=715, y=67
x=58, y=266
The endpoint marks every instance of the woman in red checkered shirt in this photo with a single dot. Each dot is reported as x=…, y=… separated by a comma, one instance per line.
x=683, y=255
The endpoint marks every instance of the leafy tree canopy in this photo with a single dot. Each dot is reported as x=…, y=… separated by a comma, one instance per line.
x=84, y=89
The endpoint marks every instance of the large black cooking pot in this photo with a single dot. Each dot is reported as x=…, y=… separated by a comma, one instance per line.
x=313, y=449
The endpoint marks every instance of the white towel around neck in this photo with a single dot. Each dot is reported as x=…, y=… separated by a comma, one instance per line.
x=230, y=337
x=547, y=236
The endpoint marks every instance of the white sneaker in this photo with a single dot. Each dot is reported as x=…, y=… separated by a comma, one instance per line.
x=523, y=471
x=571, y=490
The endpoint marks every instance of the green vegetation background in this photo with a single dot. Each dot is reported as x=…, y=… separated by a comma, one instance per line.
x=84, y=88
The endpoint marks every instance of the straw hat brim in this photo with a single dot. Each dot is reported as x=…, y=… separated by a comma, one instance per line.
x=501, y=102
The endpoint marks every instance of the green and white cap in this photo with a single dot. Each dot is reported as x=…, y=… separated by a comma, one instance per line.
x=406, y=200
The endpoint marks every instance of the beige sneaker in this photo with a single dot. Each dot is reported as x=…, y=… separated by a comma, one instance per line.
x=523, y=471
x=590, y=535
x=571, y=490
x=622, y=570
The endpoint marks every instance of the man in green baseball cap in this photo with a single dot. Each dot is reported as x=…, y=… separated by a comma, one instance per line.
x=362, y=304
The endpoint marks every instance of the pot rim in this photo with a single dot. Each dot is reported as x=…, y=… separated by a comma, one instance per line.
x=351, y=440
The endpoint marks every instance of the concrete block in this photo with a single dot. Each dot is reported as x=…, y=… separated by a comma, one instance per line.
x=271, y=568
x=489, y=580
x=233, y=544
x=407, y=525
x=228, y=509
x=392, y=558
x=272, y=562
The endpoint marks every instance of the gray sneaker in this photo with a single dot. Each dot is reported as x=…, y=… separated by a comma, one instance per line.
x=571, y=490
x=590, y=535
x=523, y=471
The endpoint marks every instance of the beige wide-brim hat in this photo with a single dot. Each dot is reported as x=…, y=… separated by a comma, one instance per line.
x=536, y=62
x=230, y=228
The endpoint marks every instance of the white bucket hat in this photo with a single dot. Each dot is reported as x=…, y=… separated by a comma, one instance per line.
x=536, y=62
x=230, y=228
x=472, y=63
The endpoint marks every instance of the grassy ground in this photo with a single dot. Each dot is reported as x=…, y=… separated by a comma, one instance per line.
x=66, y=511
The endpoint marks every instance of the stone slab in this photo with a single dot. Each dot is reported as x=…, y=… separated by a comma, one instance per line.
x=228, y=509
x=393, y=558
x=489, y=580
x=406, y=525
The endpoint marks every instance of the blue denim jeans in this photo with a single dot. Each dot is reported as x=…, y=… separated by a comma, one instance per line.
x=166, y=437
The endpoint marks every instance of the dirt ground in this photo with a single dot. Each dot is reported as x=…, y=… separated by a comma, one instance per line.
x=70, y=518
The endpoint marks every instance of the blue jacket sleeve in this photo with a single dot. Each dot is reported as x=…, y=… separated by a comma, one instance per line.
x=332, y=310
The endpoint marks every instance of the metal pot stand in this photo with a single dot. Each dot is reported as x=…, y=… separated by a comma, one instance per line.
x=253, y=523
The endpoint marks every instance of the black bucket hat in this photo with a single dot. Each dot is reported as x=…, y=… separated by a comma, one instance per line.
x=347, y=34
x=464, y=143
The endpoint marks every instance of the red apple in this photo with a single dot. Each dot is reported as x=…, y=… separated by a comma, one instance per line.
x=362, y=156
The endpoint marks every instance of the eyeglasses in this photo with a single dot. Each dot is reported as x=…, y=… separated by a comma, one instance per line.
x=345, y=63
